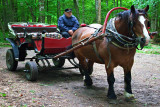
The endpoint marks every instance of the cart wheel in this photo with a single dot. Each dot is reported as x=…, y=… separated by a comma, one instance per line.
x=31, y=71
x=58, y=62
x=10, y=60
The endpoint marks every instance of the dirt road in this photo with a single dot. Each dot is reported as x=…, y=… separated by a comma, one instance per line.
x=65, y=88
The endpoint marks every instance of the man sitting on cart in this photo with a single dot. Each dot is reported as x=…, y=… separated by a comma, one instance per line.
x=67, y=23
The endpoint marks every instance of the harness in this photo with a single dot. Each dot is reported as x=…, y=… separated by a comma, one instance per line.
x=118, y=40
x=122, y=41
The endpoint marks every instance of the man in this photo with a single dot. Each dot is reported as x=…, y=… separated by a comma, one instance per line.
x=67, y=23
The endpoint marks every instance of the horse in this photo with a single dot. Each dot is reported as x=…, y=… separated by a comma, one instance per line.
x=130, y=25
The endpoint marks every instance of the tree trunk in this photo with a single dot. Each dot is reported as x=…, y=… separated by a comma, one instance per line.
x=107, y=4
x=16, y=11
x=58, y=9
x=99, y=12
x=96, y=6
x=12, y=10
x=117, y=5
x=48, y=16
x=41, y=10
x=77, y=8
x=83, y=14
x=3, y=30
x=5, y=16
x=113, y=7
x=120, y=3
x=32, y=10
x=113, y=3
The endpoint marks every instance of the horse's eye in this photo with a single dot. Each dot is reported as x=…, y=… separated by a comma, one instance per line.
x=149, y=24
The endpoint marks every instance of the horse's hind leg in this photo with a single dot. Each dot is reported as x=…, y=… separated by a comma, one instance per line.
x=84, y=66
x=110, y=78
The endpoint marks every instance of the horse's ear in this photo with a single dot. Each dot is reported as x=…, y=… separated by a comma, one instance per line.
x=132, y=9
x=146, y=8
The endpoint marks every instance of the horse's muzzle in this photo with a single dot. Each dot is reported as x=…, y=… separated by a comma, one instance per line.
x=143, y=42
x=146, y=41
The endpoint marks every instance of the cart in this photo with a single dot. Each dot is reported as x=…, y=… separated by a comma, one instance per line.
x=45, y=40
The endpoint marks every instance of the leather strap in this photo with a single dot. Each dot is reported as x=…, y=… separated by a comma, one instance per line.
x=96, y=52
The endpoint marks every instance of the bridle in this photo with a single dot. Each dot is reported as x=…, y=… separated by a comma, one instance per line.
x=138, y=40
x=124, y=42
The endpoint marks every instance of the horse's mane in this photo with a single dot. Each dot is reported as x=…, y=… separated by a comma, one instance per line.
x=126, y=14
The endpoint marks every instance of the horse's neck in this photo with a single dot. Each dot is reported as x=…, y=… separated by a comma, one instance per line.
x=122, y=27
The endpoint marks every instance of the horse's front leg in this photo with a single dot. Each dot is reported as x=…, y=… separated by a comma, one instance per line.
x=127, y=79
x=110, y=78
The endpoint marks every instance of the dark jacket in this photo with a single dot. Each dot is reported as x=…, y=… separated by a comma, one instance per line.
x=66, y=24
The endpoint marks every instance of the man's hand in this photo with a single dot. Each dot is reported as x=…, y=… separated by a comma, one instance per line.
x=70, y=32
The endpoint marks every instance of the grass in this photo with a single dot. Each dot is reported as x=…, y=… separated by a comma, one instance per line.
x=150, y=49
x=3, y=42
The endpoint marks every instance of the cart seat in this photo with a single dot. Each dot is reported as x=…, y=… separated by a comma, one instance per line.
x=18, y=29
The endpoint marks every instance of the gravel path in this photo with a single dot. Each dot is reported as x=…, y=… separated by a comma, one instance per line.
x=65, y=88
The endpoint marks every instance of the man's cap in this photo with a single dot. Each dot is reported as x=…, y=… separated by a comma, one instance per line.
x=68, y=10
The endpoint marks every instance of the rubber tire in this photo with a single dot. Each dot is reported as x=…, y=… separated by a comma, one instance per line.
x=32, y=71
x=10, y=60
x=58, y=62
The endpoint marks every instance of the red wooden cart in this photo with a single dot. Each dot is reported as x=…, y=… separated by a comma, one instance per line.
x=44, y=39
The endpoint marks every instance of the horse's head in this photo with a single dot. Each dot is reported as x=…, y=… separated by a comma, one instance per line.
x=140, y=23
x=134, y=23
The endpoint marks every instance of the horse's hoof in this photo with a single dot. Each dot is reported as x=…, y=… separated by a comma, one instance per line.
x=88, y=82
x=112, y=101
x=128, y=96
x=113, y=97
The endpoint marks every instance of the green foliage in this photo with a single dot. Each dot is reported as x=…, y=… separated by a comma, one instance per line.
x=150, y=49
x=153, y=13
x=32, y=91
x=2, y=39
x=3, y=95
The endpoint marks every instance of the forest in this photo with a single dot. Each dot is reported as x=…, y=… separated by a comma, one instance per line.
x=86, y=11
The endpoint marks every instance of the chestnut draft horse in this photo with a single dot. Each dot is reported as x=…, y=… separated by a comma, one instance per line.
x=131, y=26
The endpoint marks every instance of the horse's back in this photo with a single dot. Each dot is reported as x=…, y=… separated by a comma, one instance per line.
x=95, y=25
x=84, y=32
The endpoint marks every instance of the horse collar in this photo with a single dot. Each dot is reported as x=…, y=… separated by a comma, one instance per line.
x=120, y=40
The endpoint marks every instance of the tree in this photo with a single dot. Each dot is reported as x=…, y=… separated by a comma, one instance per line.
x=58, y=9
x=77, y=8
x=41, y=10
x=48, y=14
x=98, y=10
x=120, y=3
x=4, y=16
x=83, y=11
